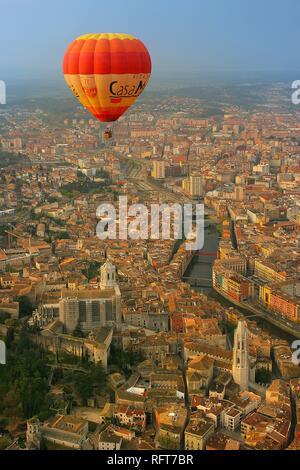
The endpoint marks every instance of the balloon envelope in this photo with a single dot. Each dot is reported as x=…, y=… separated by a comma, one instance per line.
x=107, y=72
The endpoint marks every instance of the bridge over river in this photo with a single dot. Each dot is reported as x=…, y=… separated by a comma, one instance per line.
x=200, y=282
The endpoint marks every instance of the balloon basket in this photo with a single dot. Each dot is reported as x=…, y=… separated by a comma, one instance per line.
x=107, y=135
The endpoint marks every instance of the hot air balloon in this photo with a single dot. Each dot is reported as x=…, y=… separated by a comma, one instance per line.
x=107, y=73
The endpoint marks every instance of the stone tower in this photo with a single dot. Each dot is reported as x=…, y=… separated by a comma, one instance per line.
x=33, y=434
x=108, y=277
x=240, y=367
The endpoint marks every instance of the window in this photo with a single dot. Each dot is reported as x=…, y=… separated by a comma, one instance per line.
x=95, y=311
x=110, y=310
x=82, y=311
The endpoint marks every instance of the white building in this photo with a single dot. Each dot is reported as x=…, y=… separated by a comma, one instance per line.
x=159, y=170
x=196, y=185
x=232, y=419
x=240, y=368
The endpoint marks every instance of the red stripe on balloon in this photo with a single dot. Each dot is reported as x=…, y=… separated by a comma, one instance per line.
x=103, y=56
x=108, y=114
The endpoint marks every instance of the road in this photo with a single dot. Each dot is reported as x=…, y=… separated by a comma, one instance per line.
x=292, y=330
x=138, y=176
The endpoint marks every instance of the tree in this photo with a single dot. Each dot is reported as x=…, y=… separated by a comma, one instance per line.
x=45, y=415
x=124, y=360
x=92, y=270
x=11, y=403
x=3, y=424
x=78, y=333
x=4, y=443
x=3, y=317
x=84, y=386
x=25, y=307
x=23, y=342
x=98, y=374
x=263, y=376
x=33, y=392
x=24, y=384
x=168, y=443
x=10, y=336
x=64, y=235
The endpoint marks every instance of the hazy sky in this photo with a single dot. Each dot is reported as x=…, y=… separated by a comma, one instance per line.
x=183, y=36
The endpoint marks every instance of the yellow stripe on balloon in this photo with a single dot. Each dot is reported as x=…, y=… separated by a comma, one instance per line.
x=105, y=36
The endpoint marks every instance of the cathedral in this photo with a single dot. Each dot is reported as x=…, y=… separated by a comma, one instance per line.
x=92, y=308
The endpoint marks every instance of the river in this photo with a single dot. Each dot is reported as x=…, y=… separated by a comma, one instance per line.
x=201, y=267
